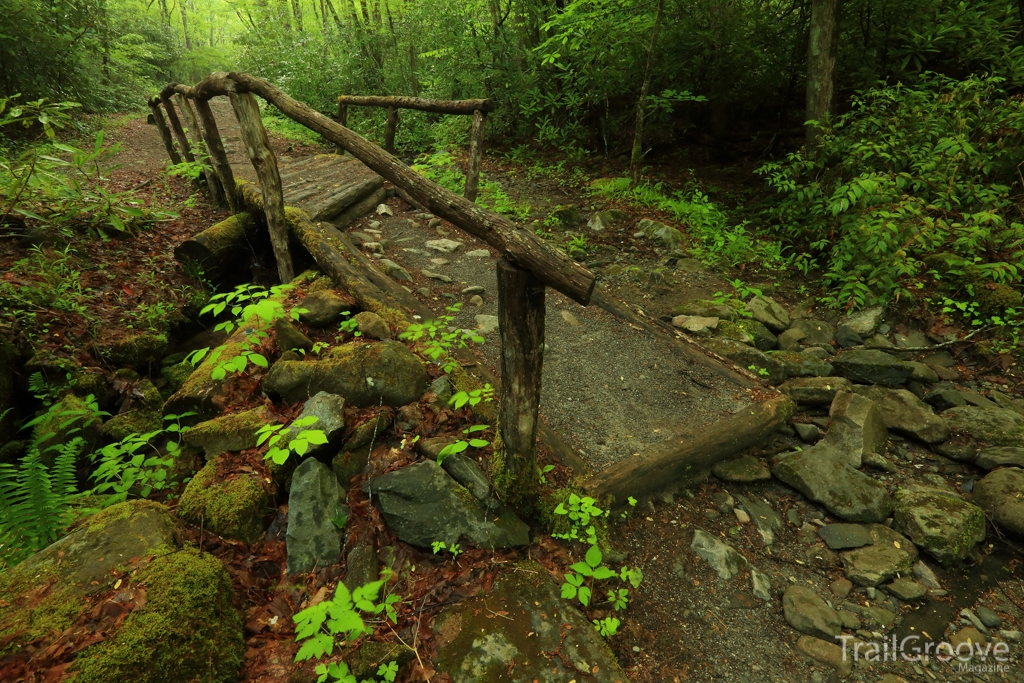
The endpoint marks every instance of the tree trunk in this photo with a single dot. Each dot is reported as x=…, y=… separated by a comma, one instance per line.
x=419, y=103
x=637, y=156
x=297, y=9
x=521, y=325
x=390, y=129
x=257, y=143
x=184, y=25
x=476, y=153
x=821, y=66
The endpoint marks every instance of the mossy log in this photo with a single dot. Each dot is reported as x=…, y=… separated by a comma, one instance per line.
x=221, y=247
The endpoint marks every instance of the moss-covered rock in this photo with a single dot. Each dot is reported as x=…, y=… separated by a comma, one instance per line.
x=364, y=374
x=46, y=592
x=994, y=299
x=187, y=631
x=234, y=508
x=478, y=649
x=140, y=350
x=940, y=522
x=175, y=375
x=233, y=432
x=132, y=422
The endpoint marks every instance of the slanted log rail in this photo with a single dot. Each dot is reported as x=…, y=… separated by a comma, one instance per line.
x=528, y=265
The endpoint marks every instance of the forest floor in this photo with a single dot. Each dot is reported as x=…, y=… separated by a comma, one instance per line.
x=684, y=623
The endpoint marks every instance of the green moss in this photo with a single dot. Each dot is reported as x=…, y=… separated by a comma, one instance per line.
x=730, y=330
x=139, y=350
x=463, y=381
x=187, y=632
x=232, y=508
x=176, y=375
x=995, y=300
x=124, y=510
x=55, y=612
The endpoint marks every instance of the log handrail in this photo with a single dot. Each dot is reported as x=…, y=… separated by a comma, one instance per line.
x=551, y=267
x=466, y=107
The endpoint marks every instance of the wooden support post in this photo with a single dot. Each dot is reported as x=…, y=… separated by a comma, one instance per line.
x=521, y=325
x=179, y=132
x=389, y=130
x=212, y=182
x=343, y=114
x=165, y=134
x=211, y=136
x=476, y=153
x=257, y=143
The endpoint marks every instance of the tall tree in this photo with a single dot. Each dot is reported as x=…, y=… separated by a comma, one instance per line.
x=821, y=67
x=638, y=135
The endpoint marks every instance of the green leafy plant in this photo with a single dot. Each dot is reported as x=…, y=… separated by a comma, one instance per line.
x=441, y=546
x=437, y=338
x=461, y=445
x=579, y=511
x=248, y=303
x=136, y=465
x=191, y=170
x=274, y=434
x=543, y=471
x=472, y=397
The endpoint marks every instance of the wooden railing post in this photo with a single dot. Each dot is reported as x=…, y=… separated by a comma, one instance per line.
x=257, y=143
x=211, y=136
x=179, y=132
x=342, y=114
x=521, y=326
x=165, y=134
x=476, y=152
x=389, y=130
x=212, y=182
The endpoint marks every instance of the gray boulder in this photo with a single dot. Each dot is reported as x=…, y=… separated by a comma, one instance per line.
x=871, y=366
x=422, y=504
x=747, y=356
x=999, y=495
x=944, y=399
x=939, y=521
x=227, y=433
x=769, y=313
x=745, y=468
x=699, y=326
x=372, y=326
x=906, y=414
x=815, y=390
x=865, y=322
x=790, y=340
x=857, y=428
x=364, y=374
x=989, y=426
x=721, y=556
x=827, y=479
x=395, y=271
x=808, y=613
x=323, y=308
x=768, y=521
x=845, y=536
x=313, y=541
x=816, y=332
x=803, y=364
x=329, y=411
x=665, y=235
x=890, y=554
x=1000, y=456
x=763, y=339
x=464, y=470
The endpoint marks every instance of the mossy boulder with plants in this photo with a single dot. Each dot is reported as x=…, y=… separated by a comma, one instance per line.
x=939, y=522
x=140, y=413
x=994, y=299
x=46, y=593
x=140, y=350
x=176, y=375
x=364, y=374
x=477, y=648
x=232, y=432
x=187, y=631
x=234, y=507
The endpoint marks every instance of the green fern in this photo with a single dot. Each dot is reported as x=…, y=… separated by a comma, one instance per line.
x=35, y=501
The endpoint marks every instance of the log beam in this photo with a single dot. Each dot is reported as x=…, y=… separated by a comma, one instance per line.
x=419, y=104
x=212, y=181
x=521, y=326
x=165, y=133
x=476, y=152
x=257, y=143
x=176, y=128
x=548, y=265
x=214, y=144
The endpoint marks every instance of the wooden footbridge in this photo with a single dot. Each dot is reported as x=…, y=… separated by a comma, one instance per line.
x=330, y=190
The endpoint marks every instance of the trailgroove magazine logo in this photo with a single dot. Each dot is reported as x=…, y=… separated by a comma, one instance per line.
x=972, y=657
